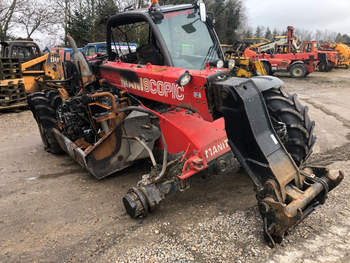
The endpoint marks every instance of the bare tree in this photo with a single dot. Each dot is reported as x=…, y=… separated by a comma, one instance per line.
x=7, y=10
x=35, y=16
x=304, y=34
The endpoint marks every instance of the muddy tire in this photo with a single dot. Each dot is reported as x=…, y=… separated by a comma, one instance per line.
x=291, y=122
x=298, y=70
x=43, y=105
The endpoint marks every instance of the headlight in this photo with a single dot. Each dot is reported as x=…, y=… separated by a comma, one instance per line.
x=184, y=79
x=231, y=64
x=219, y=63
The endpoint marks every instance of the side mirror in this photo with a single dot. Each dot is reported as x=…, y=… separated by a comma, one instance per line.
x=211, y=18
x=202, y=11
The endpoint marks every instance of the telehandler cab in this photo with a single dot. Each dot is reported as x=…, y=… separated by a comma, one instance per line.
x=176, y=101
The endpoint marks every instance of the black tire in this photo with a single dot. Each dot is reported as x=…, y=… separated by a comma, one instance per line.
x=43, y=105
x=329, y=68
x=322, y=67
x=291, y=122
x=298, y=70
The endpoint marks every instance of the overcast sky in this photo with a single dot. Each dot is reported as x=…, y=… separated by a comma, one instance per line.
x=333, y=15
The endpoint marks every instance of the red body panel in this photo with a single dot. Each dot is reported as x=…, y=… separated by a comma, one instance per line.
x=158, y=83
x=201, y=141
x=281, y=62
x=197, y=135
x=332, y=56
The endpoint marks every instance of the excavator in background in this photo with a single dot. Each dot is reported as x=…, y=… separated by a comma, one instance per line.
x=343, y=53
x=178, y=102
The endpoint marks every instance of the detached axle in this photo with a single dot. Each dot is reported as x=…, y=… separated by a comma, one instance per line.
x=139, y=201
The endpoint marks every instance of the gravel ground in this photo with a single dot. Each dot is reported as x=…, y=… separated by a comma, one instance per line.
x=52, y=211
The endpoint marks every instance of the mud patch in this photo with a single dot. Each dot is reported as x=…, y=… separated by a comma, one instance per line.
x=341, y=153
x=59, y=174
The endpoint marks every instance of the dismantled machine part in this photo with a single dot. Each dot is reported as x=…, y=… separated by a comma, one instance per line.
x=176, y=101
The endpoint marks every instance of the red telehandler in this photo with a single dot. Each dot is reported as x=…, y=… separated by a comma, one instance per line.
x=285, y=58
x=177, y=102
x=327, y=59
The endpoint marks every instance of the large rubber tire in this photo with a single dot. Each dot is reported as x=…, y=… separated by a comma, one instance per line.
x=287, y=110
x=329, y=68
x=322, y=67
x=43, y=105
x=298, y=70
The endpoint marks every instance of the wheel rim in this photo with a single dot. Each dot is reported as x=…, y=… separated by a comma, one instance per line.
x=298, y=72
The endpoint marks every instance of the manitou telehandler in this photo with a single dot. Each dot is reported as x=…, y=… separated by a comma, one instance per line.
x=176, y=101
x=282, y=56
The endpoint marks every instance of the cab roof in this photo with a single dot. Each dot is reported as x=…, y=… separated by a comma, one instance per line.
x=138, y=15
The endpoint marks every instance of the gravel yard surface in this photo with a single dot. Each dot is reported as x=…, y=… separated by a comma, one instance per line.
x=51, y=210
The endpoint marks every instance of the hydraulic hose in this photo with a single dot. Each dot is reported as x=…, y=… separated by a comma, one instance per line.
x=165, y=147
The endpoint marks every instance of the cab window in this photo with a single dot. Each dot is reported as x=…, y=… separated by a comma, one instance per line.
x=90, y=51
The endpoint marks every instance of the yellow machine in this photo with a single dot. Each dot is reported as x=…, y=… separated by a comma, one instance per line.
x=12, y=92
x=17, y=80
x=344, y=54
x=256, y=41
x=244, y=66
x=41, y=71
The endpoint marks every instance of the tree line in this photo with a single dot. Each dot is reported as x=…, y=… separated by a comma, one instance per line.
x=300, y=34
x=85, y=20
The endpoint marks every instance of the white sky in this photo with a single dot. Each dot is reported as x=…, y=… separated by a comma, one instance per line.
x=333, y=15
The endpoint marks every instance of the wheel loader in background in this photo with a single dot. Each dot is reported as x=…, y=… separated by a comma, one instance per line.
x=177, y=102
x=23, y=69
